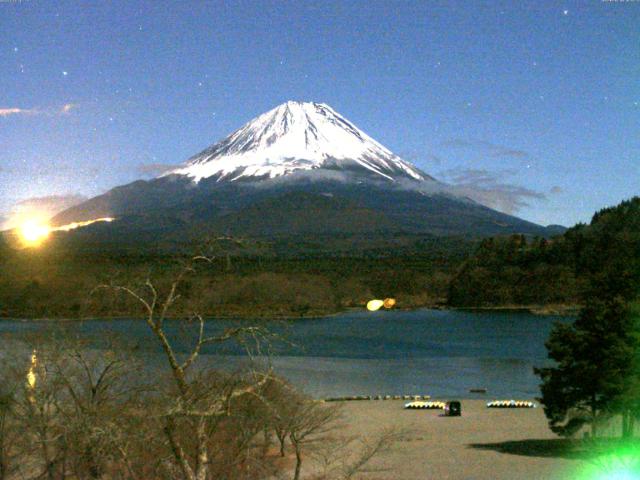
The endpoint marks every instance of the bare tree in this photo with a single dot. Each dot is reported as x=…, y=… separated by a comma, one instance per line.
x=67, y=404
x=8, y=432
x=343, y=458
x=310, y=421
x=99, y=392
x=38, y=409
x=83, y=411
x=195, y=405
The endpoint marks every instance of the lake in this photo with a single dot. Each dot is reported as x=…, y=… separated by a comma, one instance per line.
x=442, y=353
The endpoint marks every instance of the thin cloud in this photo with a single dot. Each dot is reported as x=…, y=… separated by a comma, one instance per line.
x=42, y=207
x=49, y=205
x=486, y=147
x=415, y=157
x=14, y=111
x=491, y=189
x=477, y=176
x=52, y=202
x=155, y=169
x=7, y=112
x=435, y=159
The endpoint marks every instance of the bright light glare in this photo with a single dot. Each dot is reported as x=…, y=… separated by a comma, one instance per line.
x=74, y=225
x=389, y=303
x=33, y=232
x=622, y=463
x=31, y=376
x=374, y=305
x=624, y=474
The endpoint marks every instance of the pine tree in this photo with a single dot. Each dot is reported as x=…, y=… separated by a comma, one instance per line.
x=597, y=358
x=628, y=403
x=593, y=361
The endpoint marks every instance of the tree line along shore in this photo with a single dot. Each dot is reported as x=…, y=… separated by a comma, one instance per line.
x=543, y=275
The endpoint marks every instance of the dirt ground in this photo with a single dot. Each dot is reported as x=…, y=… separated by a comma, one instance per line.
x=482, y=444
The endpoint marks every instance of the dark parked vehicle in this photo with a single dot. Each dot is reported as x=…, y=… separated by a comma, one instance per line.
x=453, y=409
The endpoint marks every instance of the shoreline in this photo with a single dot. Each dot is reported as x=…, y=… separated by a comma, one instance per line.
x=539, y=310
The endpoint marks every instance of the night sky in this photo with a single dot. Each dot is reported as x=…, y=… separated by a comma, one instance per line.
x=533, y=107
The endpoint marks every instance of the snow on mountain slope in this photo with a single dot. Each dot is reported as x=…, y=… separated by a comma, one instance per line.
x=297, y=136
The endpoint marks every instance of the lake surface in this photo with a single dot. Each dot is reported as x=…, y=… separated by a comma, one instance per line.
x=437, y=352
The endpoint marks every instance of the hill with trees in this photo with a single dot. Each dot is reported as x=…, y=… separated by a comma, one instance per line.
x=517, y=270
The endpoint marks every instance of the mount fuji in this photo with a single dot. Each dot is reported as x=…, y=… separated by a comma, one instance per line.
x=297, y=137
x=300, y=169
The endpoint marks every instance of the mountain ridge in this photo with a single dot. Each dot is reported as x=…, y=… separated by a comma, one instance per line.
x=345, y=181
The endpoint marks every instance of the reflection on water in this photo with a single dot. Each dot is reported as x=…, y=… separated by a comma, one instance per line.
x=440, y=353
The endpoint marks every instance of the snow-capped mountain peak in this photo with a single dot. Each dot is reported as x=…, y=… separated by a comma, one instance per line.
x=296, y=136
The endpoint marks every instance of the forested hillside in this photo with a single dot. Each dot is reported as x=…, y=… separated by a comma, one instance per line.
x=520, y=271
x=315, y=276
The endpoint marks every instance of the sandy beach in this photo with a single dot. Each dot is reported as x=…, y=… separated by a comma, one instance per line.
x=482, y=444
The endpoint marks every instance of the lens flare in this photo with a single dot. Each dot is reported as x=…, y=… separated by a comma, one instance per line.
x=622, y=463
x=33, y=232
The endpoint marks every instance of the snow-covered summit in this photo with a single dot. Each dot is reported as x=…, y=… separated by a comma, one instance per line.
x=297, y=136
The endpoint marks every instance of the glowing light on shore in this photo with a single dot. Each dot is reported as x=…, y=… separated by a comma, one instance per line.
x=374, y=305
x=389, y=303
x=31, y=375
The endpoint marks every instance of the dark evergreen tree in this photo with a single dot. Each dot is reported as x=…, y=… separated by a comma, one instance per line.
x=594, y=359
x=597, y=358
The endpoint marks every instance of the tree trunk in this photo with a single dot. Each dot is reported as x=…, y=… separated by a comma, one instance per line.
x=267, y=441
x=594, y=428
x=296, y=475
x=202, y=468
x=4, y=470
x=282, y=439
x=625, y=424
x=49, y=464
x=177, y=450
x=95, y=470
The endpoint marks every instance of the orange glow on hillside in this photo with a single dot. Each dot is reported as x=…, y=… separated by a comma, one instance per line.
x=32, y=232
